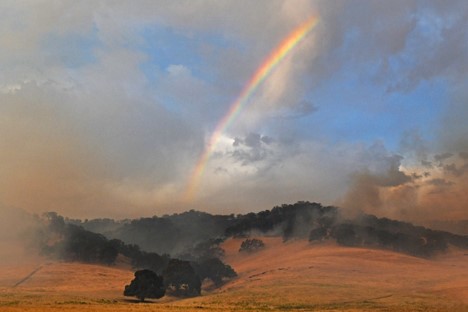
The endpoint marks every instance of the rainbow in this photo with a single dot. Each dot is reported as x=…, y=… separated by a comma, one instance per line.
x=268, y=65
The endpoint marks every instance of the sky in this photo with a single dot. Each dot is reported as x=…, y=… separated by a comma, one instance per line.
x=106, y=107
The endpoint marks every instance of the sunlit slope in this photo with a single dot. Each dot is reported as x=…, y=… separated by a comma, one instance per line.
x=303, y=275
x=66, y=278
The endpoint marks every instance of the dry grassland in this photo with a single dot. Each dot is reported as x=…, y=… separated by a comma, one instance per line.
x=292, y=276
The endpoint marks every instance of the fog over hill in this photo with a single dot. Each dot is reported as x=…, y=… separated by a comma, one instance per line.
x=178, y=233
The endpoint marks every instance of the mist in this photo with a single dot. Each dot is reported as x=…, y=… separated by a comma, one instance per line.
x=16, y=233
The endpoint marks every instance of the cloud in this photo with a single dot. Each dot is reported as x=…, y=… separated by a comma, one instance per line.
x=414, y=146
x=253, y=148
x=94, y=149
x=405, y=45
x=438, y=194
x=456, y=170
x=99, y=123
x=378, y=169
x=440, y=182
x=441, y=157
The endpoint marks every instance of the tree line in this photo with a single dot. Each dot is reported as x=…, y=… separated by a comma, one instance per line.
x=70, y=242
x=194, y=239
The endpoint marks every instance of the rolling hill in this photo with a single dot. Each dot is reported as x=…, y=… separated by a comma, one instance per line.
x=285, y=276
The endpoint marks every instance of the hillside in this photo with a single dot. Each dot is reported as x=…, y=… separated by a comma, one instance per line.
x=299, y=274
x=178, y=234
x=295, y=275
x=66, y=279
x=314, y=259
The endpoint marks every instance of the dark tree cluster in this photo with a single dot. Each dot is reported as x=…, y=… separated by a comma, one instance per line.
x=215, y=270
x=169, y=234
x=180, y=279
x=319, y=234
x=251, y=245
x=204, y=250
x=205, y=259
x=146, y=284
x=151, y=261
x=287, y=220
x=85, y=246
x=392, y=235
x=147, y=232
x=177, y=234
x=318, y=223
x=184, y=278
x=73, y=243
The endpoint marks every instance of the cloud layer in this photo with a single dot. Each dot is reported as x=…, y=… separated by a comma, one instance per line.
x=106, y=106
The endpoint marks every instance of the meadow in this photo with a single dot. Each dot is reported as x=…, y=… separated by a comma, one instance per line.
x=291, y=276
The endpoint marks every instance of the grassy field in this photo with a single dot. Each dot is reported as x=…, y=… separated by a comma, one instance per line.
x=292, y=276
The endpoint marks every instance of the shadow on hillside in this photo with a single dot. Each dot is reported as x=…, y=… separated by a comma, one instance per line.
x=127, y=300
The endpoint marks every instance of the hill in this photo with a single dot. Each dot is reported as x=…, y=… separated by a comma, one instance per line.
x=291, y=276
x=177, y=234
x=313, y=258
x=299, y=275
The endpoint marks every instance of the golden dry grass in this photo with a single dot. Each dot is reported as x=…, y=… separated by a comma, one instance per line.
x=292, y=276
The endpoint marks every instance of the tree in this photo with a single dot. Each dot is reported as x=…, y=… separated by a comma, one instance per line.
x=204, y=250
x=151, y=261
x=346, y=235
x=85, y=246
x=318, y=234
x=215, y=270
x=180, y=279
x=146, y=284
x=251, y=245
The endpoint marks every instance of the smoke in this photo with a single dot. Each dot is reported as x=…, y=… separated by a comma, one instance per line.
x=43, y=163
x=433, y=175
x=16, y=234
x=64, y=153
x=432, y=165
x=381, y=171
x=420, y=196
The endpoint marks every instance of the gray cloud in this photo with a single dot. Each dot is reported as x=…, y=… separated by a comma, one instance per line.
x=407, y=41
x=463, y=155
x=379, y=169
x=442, y=157
x=440, y=182
x=253, y=148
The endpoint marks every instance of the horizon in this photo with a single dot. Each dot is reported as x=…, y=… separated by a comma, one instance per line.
x=108, y=109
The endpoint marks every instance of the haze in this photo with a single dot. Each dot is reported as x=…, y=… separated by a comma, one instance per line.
x=106, y=107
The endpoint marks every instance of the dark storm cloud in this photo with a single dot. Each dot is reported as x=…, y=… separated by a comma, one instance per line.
x=252, y=148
